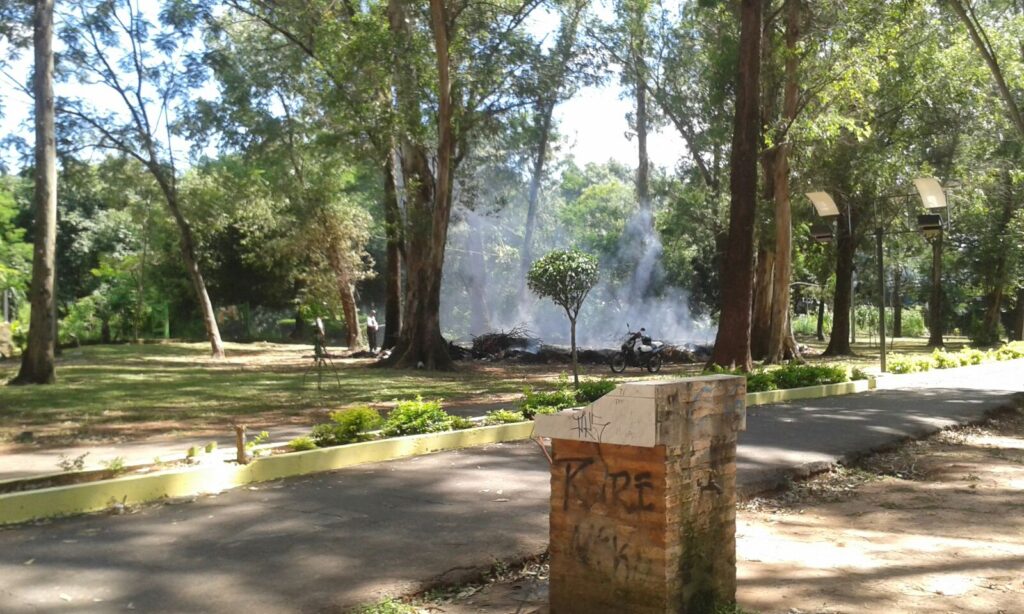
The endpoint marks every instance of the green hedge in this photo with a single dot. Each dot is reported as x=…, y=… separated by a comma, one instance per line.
x=792, y=376
x=941, y=359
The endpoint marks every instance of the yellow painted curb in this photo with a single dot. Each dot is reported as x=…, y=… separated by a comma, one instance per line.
x=809, y=392
x=189, y=481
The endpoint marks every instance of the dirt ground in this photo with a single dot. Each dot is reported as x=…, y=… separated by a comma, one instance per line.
x=934, y=526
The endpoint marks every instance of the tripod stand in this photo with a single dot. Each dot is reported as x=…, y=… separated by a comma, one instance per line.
x=321, y=361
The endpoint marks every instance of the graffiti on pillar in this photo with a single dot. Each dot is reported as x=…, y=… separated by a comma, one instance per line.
x=588, y=426
x=604, y=493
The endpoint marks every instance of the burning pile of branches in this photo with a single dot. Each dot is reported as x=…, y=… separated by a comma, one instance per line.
x=496, y=345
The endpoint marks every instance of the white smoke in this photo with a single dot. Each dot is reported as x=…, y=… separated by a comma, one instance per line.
x=482, y=261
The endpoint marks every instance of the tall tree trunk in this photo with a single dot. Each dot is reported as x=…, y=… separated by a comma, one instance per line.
x=820, y=333
x=897, y=302
x=393, y=264
x=935, y=319
x=990, y=324
x=781, y=341
x=643, y=183
x=760, y=327
x=545, y=111
x=429, y=201
x=188, y=256
x=354, y=332
x=839, y=341
x=572, y=341
x=37, y=363
x=732, y=342
x=479, y=317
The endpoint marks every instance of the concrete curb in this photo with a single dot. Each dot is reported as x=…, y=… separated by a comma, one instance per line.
x=189, y=481
x=809, y=392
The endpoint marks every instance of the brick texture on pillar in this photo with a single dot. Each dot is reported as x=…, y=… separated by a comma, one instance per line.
x=643, y=498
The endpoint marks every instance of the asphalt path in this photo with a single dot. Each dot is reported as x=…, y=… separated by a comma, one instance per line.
x=327, y=542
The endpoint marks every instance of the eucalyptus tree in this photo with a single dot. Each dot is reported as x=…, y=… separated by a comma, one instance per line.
x=146, y=69
x=732, y=342
x=37, y=363
x=994, y=29
x=459, y=66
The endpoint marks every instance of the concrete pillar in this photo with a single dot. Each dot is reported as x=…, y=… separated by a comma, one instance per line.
x=643, y=498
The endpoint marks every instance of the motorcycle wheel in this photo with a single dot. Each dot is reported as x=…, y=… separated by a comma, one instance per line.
x=618, y=362
x=654, y=364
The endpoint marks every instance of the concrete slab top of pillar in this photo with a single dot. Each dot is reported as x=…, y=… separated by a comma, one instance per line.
x=637, y=413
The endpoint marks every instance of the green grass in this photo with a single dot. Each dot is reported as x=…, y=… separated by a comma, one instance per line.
x=177, y=385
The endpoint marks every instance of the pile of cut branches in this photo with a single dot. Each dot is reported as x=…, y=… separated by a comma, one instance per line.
x=495, y=345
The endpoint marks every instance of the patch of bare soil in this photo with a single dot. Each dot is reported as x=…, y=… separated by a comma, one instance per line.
x=934, y=526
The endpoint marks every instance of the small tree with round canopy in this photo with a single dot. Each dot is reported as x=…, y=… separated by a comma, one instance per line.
x=565, y=277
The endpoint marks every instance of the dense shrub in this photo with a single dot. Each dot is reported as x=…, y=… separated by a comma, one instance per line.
x=1009, y=351
x=504, y=416
x=419, y=416
x=534, y=403
x=592, y=390
x=856, y=373
x=347, y=426
x=564, y=397
x=971, y=356
x=788, y=376
x=945, y=360
x=798, y=376
x=760, y=382
x=301, y=443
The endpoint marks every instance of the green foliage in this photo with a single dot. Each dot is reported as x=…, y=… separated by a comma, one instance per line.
x=535, y=402
x=388, y=606
x=972, y=356
x=898, y=363
x=193, y=451
x=589, y=391
x=788, y=376
x=564, y=276
x=347, y=426
x=504, y=416
x=856, y=373
x=945, y=360
x=115, y=465
x=419, y=416
x=302, y=443
x=260, y=439
x=563, y=397
x=760, y=381
x=1009, y=351
x=211, y=447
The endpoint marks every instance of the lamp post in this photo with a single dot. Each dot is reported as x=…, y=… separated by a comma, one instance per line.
x=930, y=224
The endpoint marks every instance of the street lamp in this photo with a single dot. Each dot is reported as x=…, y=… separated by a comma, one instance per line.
x=931, y=224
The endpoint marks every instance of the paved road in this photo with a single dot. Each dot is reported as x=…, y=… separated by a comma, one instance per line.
x=327, y=542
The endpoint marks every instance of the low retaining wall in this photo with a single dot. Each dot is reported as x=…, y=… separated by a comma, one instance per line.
x=190, y=481
x=809, y=392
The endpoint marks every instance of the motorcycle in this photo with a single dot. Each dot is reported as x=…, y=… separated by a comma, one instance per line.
x=638, y=350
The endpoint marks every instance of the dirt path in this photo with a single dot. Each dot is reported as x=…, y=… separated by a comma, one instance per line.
x=935, y=526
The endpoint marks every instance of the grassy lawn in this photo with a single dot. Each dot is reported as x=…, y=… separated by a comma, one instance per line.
x=866, y=351
x=131, y=391
x=138, y=390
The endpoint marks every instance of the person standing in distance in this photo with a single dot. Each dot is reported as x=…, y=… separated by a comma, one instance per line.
x=371, y=330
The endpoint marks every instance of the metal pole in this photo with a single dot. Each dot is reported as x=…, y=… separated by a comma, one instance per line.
x=881, y=296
